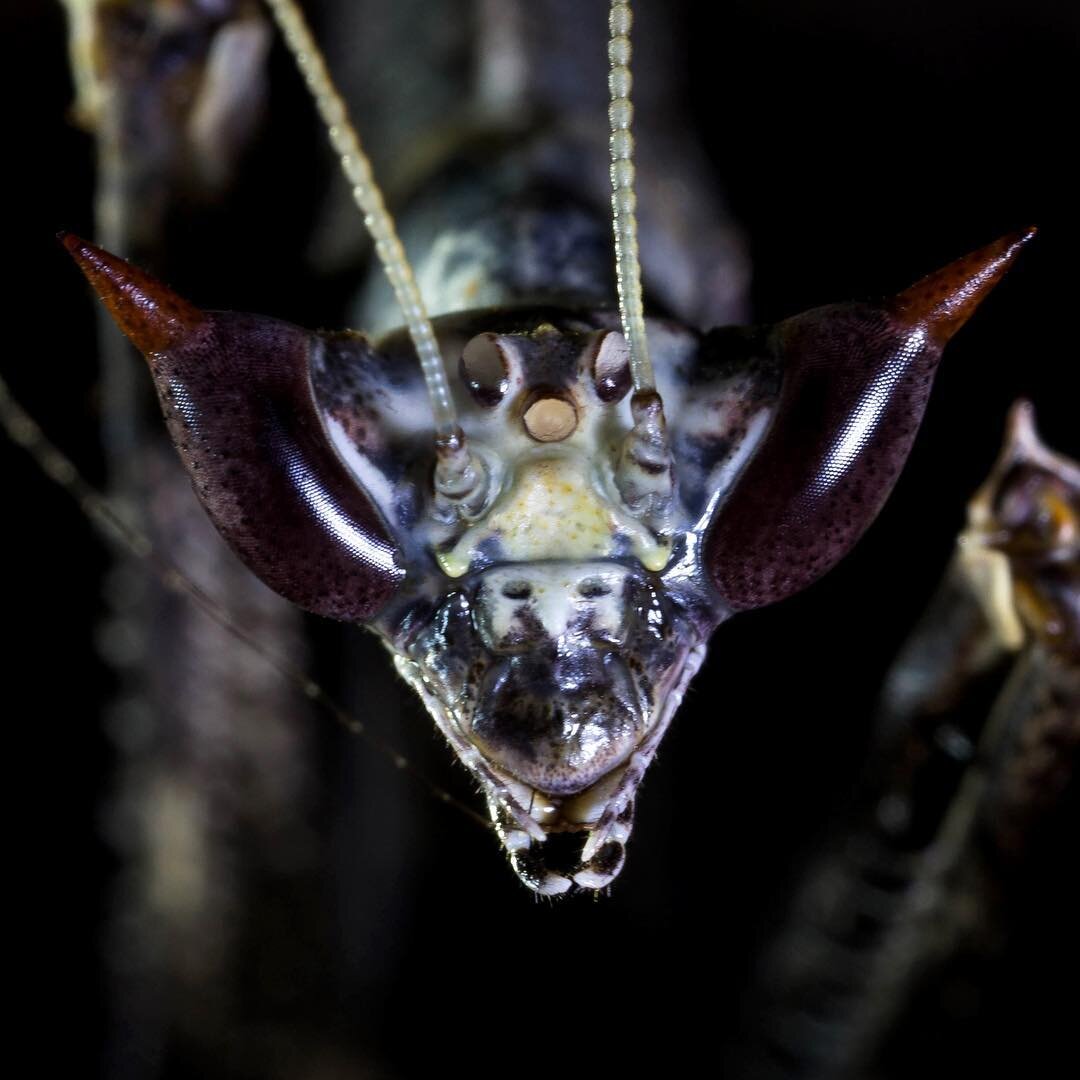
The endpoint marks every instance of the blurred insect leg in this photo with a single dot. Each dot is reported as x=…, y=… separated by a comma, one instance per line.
x=873, y=900
x=978, y=736
x=214, y=789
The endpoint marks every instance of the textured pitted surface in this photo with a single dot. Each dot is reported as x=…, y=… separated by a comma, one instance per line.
x=856, y=380
x=854, y=391
x=237, y=397
x=239, y=405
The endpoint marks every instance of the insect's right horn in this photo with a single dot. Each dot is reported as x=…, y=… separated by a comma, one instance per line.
x=237, y=396
x=855, y=382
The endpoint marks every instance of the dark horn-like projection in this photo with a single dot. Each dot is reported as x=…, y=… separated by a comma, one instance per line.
x=856, y=379
x=153, y=317
x=237, y=397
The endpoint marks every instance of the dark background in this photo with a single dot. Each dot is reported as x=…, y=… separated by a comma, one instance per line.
x=861, y=146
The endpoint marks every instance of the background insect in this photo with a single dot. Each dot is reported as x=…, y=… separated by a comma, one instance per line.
x=828, y=213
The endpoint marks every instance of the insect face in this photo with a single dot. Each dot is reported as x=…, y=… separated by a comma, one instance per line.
x=547, y=574
x=554, y=682
x=545, y=552
x=545, y=642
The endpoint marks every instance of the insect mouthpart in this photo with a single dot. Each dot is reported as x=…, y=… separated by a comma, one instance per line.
x=554, y=683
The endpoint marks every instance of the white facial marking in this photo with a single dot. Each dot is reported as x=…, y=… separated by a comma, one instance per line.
x=370, y=479
x=588, y=807
x=515, y=840
x=556, y=596
x=590, y=879
x=554, y=885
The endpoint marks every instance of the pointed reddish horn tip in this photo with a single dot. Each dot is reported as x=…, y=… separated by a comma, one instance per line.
x=149, y=313
x=945, y=300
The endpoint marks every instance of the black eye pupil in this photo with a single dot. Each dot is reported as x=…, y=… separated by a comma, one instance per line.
x=517, y=590
x=593, y=587
x=485, y=370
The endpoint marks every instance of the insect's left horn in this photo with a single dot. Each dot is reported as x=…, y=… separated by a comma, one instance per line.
x=855, y=383
x=238, y=401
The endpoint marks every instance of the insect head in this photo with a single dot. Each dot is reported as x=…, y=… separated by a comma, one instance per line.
x=546, y=538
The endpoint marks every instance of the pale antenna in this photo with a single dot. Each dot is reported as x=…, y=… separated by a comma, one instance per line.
x=623, y=200
x=368, y=197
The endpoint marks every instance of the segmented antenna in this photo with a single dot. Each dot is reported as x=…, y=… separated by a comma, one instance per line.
x=623, y=200
x=368, y=197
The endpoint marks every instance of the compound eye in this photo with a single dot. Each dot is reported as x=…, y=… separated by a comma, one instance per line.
x=611, y=367
x=485, y=369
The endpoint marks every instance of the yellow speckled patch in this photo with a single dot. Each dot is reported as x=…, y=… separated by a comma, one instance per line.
x=552, y=512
